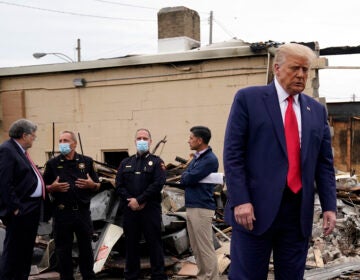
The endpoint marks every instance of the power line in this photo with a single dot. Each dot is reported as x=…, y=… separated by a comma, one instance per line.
x=73, y=13
x=121, y=49
x=126, y=5
x=224, y=29
x=137, y=6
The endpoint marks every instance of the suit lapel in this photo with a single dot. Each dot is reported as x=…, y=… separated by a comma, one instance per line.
x=272, y=105
x=271, y=101
x=20, y=152
x=305, y=127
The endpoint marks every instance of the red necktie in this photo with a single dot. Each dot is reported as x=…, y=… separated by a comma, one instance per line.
x=38, y=173
x=293, y=147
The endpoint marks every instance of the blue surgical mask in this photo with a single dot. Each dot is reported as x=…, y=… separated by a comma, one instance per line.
x=142, y=146
x=64, y=148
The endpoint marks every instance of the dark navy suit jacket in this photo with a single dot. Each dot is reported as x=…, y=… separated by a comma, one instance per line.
x=17, y=180
x=255, y=157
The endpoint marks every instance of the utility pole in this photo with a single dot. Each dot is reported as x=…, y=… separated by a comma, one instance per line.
x=315, y=81
x=78, y=50
x=211, y=27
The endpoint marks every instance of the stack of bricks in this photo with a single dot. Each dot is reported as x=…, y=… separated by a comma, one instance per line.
x=178, y=22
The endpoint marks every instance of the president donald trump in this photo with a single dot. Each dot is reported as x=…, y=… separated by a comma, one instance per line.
x=277, y=154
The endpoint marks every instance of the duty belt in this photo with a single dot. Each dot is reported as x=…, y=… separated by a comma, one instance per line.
x=73, y=206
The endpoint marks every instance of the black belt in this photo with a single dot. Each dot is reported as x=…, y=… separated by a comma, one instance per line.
x=34, y=198
x=290, y=193
x=72, y=206
x=291, y=196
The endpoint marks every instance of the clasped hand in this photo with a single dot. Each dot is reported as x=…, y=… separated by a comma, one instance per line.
x=134, y=205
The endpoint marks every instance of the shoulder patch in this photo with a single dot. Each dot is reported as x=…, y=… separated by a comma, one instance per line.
x=162, y=164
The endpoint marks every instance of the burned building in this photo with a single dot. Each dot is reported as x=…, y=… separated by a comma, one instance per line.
x=106, y=100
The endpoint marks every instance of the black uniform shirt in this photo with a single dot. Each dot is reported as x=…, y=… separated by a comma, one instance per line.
x=141, y=177
x=69, y=171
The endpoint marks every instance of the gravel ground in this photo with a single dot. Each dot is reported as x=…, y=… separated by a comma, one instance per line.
x=104, y=276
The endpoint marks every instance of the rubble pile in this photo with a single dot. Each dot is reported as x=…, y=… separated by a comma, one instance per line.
x=337, y=255
x=341, y=243
x=178, y=255
x=339, y=251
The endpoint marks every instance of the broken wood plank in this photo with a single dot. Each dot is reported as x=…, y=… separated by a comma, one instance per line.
x=330, y=272
x=188, y=269
x=226, y=230
x=224, y=249
x=318, y=258
x=223, y=263
x=112, y=234
x=220, y=232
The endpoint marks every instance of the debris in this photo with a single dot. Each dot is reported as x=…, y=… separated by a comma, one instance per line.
x=188, y=269
x=330, y=272
x=110, y=236
x=223, y=263
x=177, y=243
x=318, y=258
x=328, y=256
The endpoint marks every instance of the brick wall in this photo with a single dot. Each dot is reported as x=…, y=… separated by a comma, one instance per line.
x=178, y=22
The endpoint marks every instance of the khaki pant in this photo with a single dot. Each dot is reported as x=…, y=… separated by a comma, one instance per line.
x=199, y=227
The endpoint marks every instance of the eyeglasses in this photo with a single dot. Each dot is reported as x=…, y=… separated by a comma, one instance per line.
x=32, y=135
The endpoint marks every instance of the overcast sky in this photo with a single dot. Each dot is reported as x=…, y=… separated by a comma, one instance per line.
x=115, y=28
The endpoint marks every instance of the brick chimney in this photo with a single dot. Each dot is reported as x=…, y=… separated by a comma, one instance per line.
x=178, y=29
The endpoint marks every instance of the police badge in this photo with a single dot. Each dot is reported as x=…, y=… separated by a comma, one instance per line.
x=81, y=166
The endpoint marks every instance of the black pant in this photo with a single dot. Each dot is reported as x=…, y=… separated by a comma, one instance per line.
x=67, y=222
x=19, y=243
x=148, y=223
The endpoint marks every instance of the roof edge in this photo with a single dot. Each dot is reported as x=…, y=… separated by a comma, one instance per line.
x=193, y=55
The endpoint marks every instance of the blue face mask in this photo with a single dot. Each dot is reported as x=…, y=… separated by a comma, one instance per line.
x=142, y=146
x=64, y=148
